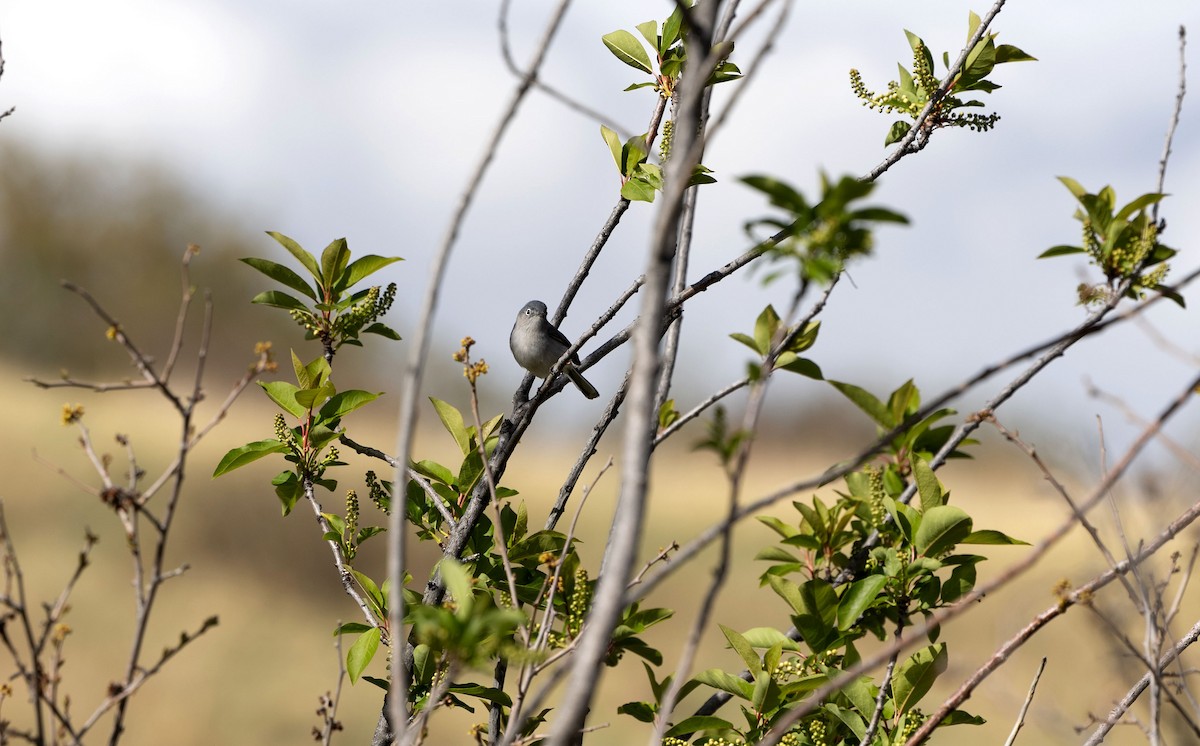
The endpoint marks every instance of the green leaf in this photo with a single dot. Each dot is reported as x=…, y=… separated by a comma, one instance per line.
x=333, y=261
x=633, y=154
x=361, y=652
x=745, y=339
x=792, y=363
x=1140, y=203
x=857, y=599
x=486, y=693
x=850, y=718
x=867, y=402
x=637, y=190
x=284, y=394
x=697, y=724
x=820, y=600
x=1009, y=53
x=778, y=526
x=458, y=583
x=278, y=299
x=649, y=31
x=1074, y=186
x=288, y=489
x=614, y=144
x=896, y=132
x=382, y=330
x=281, y=274
x=788, y=591
x=435, y=471
x=452, y=420
x=701, y=174
x=307, y=260
x=626, y=47
x=378, y=600
x=775, y=554
x=640, y=711
x=309, y=398
x=726, y=682
x=424, y=664
x=364, y=266
x=961, y=717
x=941, y=529
x=781, y=195
x=743, y=649
x=928, y=485
x=344, y=402
x=1061, y=250
x=769, y=637
x=349, y=628
x=765, y=327
x=670, y=30
x=242, y=455
x=1170, y=294
x=337, y=523
x=916, y=675
x=991, y=536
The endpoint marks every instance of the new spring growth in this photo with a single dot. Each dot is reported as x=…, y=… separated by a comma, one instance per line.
x=472, y=371
x=71, y=413
x=266, y=357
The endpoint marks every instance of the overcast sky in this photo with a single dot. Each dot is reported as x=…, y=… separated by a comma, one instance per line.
x=363, y=119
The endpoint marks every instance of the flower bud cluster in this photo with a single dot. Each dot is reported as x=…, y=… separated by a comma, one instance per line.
x=378, y=493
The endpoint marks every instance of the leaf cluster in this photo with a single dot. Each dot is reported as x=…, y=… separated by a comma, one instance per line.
x=319, y=407
x=1122, y=243
x=640, y=178
x=819, y=238
x=916, y=88
x=333, y=312
x=780, y=346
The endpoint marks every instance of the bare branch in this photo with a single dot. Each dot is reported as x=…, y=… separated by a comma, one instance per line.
x=1174, y=121
x=1012, y=736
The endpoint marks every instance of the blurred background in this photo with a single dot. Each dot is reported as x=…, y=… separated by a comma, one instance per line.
x=142, y=126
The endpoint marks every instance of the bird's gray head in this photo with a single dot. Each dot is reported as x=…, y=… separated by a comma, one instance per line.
x=532, y=310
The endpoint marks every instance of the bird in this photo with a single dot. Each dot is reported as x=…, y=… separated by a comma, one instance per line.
x=537, y=345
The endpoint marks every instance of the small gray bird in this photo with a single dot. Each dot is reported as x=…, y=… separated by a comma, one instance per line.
x=537, y=346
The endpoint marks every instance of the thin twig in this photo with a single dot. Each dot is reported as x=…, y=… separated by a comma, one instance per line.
x=1012, y=736
x=880, y=700
x=549, y=90
x=1174, y=121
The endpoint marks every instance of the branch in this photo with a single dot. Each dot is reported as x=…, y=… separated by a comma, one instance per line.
x=1131, y=696
x=1012, y=736
x=397, y=706
x=546, y=88
x=122, y=695
x=1174, y=121
x=625, y=534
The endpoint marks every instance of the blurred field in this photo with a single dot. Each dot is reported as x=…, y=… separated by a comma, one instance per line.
x=256, y=678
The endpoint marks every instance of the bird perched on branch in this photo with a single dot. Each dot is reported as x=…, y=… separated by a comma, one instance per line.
x=537, y=346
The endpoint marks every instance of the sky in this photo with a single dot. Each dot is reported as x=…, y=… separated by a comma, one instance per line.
x=364, y=120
